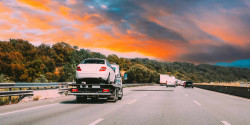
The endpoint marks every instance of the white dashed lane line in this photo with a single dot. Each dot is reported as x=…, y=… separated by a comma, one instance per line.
x=97, y=121
x=28, y=109
x=225, y=123
x=132, y=102
x=196, y=102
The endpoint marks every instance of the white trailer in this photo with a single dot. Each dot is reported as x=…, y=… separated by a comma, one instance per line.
x=164, y=79
x=171, y=82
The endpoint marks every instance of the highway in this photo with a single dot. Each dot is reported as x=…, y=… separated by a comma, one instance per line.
x=148, y=105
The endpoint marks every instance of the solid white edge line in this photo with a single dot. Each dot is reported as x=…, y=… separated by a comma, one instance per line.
x=132, y=102
x=97, y=121
x=196, y=102
x=225, y=123
x=27, y=109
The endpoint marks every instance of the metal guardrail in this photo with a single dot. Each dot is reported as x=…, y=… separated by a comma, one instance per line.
x=63, y=87
x=22, y=93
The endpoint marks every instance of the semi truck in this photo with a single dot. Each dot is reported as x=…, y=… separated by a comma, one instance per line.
x=164, y=79
x=171, y=82
x=96, y=83
x=167, y=80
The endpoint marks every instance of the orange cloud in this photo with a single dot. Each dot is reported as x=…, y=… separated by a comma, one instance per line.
x=38, y=4
x=64, y=10
x=224, y=32
x=72, y=1
x=5, y=27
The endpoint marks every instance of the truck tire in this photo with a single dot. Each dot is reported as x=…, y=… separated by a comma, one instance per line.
x=81, y=99
x=115, y=98
x=120, y=98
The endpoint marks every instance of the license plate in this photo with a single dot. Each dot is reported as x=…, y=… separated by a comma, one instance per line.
x=95, y=86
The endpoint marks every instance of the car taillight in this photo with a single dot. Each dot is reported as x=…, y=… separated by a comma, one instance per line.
x=105, y=90
x=74, y=90
x=103, y=69
x=78, y=68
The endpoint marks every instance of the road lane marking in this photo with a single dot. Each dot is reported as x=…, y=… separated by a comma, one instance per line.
x=132, y=102
x=186, y=94
x=225, y=123
x=28, y=109
x=196, y=102
x=97, y=121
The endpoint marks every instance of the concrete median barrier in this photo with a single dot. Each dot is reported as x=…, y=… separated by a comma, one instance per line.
x=232, y=90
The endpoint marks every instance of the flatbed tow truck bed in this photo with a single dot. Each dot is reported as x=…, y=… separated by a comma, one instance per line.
x=110, y=92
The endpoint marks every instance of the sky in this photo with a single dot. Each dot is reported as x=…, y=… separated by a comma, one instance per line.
x=196, y=31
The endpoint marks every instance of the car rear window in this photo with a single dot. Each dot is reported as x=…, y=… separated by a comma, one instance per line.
x=189, y=82
x=93, y=61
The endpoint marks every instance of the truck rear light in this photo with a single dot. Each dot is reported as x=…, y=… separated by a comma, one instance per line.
x=78, y=68
x=103, y=69
x=74, y=90
x=105, y=90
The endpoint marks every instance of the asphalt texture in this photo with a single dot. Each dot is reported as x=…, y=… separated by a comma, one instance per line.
x=148, y=105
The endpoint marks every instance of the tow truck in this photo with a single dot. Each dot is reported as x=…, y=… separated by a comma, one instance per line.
x=95, y=91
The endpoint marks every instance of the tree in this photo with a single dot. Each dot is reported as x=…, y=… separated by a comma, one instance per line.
x=141, y=74
x=41, y=79
x=4, y=79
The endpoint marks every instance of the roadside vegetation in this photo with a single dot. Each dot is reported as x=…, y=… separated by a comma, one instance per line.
x=21, y=61
x=239, y=84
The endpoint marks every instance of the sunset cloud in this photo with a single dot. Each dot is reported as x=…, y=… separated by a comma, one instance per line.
x=37, y=4
x=193, y=31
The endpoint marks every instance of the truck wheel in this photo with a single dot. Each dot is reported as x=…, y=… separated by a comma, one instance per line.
x=81, y=99
x=114, y=99
x=120, y=98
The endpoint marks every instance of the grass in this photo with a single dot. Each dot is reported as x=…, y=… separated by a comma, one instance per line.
x=36, y=98
x=238, y=84
x=5, y=100
x=14, y=99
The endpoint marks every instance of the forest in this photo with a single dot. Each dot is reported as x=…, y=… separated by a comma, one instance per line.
x=20, y=61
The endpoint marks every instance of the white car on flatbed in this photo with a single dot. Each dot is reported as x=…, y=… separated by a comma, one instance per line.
x=95, y=71
x=97, y=79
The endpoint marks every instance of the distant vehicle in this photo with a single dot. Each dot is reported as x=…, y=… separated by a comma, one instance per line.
x=97, y=79
x=95, y=71
x=188, y=84
x=164, y=79
x=171, y=82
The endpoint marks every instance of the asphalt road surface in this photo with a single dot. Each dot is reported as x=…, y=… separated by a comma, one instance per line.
x=149, y=105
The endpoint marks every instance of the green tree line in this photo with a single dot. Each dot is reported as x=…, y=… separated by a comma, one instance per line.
x=20, y=61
